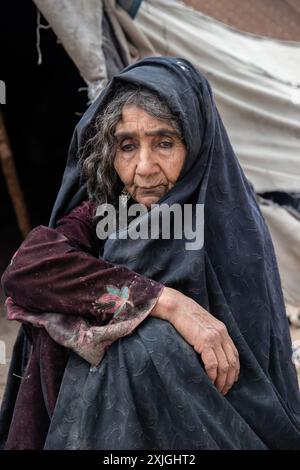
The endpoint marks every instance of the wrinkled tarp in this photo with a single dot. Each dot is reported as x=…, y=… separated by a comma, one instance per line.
x=79, y=27
x=285, y=231
x=257, y=17
x=131, y=6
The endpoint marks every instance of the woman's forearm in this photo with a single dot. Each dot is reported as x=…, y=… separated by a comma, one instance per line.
x=47, y=274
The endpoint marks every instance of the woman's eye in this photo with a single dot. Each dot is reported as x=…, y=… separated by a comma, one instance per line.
x=127, y=147
x=165, y=144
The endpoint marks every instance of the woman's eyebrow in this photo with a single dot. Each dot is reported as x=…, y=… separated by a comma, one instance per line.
x=124, y=135
x=160, y=131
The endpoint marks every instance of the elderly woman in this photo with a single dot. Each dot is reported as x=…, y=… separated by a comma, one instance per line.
x=143, y=343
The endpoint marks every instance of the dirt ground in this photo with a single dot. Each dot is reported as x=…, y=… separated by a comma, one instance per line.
x=8, y=331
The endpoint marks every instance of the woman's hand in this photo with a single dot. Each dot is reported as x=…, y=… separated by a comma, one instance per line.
x=208, y=336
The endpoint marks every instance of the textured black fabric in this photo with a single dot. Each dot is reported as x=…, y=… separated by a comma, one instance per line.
x=150, y=392
x=135, y=398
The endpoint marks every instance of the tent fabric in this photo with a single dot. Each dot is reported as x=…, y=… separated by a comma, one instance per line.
x=79, y=27
x=131, y=6
x=138, y=44
x=279, y=19
x=285, y=231
x=255, y=80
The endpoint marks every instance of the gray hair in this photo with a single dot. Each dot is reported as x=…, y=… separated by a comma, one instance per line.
x=99, y=152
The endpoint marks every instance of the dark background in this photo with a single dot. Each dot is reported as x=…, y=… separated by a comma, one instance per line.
x=42, y=107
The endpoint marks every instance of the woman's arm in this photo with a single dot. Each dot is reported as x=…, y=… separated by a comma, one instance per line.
x=57, y=270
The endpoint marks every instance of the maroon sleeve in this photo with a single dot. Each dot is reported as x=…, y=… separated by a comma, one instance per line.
x=79, y=227
x=57, y=270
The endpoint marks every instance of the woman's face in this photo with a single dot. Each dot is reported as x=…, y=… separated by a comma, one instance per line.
x=149, y=157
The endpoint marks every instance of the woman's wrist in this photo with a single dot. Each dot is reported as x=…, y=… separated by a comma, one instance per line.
x=164, y=305
x=172, y=304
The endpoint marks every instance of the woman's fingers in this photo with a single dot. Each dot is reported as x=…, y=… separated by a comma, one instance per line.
x=220, y=369
x=220, y=358
x=231, y=375
x=208, y=336
x=223, y=369
x=233, y=356
x=210, y=363
x=233, y=366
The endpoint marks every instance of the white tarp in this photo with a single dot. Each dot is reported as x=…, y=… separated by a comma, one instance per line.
x=254, y=81
x=78, y=26
x=285, y=231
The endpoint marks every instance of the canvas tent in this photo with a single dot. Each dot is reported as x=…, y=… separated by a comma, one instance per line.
x=278, y=19
x=255, y=80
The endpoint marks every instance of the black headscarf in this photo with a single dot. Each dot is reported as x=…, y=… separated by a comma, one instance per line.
x=235, y=273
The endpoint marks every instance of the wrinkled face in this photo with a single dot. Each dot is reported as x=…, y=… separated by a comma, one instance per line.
x=149, y=157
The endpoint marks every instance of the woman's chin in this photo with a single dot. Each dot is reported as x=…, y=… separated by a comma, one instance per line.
x=148, y=200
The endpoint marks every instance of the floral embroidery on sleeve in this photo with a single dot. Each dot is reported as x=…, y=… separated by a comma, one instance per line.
x=113, y=301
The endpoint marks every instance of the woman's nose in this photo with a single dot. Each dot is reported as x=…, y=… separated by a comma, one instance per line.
x=146, y=164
